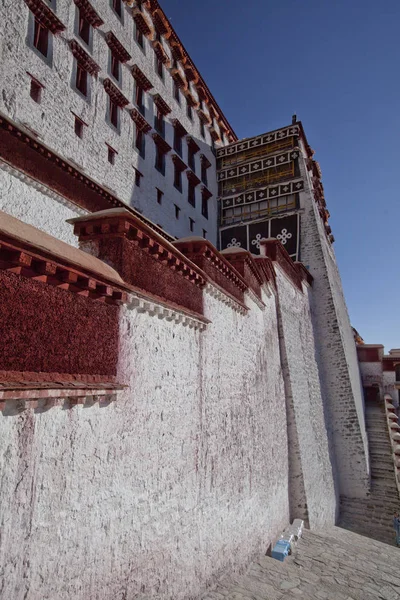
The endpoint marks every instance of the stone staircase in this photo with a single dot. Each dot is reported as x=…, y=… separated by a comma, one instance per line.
x=373, y=516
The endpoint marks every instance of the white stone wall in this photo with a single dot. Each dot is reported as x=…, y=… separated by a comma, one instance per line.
x=25, y=199
x=336, y=354
x=371, y=372
x=312, y=489
x=388, y=380
x=184, y=478
x=53, y=118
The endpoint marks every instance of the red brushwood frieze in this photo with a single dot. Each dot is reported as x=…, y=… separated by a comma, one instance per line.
x=274, y=250
x=244, y=263
x=215, y=266
x=143, y=258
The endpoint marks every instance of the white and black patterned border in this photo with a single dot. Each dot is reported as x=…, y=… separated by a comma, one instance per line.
x=258, y=165
x=261, y=140
x=267, y=193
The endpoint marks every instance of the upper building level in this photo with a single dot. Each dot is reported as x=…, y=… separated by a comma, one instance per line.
x=109, y=86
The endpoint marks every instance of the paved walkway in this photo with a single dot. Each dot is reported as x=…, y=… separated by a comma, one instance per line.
x=334, y=564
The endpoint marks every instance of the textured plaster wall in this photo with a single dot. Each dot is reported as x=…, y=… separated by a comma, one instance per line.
x=336, y=354
x=39, y=207
x=388, y=380
x=312, y=490
x=371, y=372
x=53, y=118
x=183, y=478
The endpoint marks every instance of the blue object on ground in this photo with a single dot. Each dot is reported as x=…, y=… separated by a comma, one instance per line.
x=281, y=550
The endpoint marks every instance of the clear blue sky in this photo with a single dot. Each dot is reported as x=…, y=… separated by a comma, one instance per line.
x=336, y=64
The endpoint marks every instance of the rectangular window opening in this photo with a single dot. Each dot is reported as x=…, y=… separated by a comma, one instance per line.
x=84, y=28
x=191, y=224
x=114, y=114
x=191, y=194
x=160, y=161
x=78, y=127
x=204, y=234
x=81, y=82
x=138, y=177
x=177, y=142
x=177, y=211
x=204, y=207
x=159, y=67
x=160, y=195
x=139, y=99
x=117, y=6
x=189, y=111
x=41, y=38
x=139, y=38
x=178, y=178
x=111, y=155
x=115, y=67
x=36, y=91
x=202, y=130
x=159, y=123
x=140, y=142
x=177, y=93
x=191, y=160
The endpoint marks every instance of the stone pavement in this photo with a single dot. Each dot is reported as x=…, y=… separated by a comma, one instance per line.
x=333, y=564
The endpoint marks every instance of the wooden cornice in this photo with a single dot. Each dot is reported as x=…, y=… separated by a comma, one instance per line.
x=141, y=22
x=140, y=121
x=45, y=16
x=141, y=78
x=89, y=13
x=83, y=58
x=115, y=94
x=161, y=104
x=117, y=48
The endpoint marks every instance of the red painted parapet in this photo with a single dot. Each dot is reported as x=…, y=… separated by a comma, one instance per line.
x=214, y=265
x=142, y=257
x=274, y=250
x=59, y=307
x=244, y=262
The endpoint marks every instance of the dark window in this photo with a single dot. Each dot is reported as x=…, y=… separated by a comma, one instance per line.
x=41, y=38
x=111, y=155
x=138, y=177
x=177, y=93
x=177, y=211
x=139, y=38
x=191, y=224
x=160, y=195
x=159, y=67
x=189, y=111
x=114, y=114
x=204, y=207
x=117, y=6
x=191, y=160
x=159, y=123
x=158, y=36
x=115, y=67
x=84, y=28
x=140, y=142
x=397, y=372
x=81, y=82
x=201, y=101
x=78, y=127
x=202, y=129
x=222, y=136
x=36, y=91
x=177, y=142
x=160, y=160
x=178, y=178
x=204, y=173
x=191, y=194
x=139, y=98
x=204, y=234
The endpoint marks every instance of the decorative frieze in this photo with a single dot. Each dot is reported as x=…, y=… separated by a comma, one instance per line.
x=140, y=121
x=141, y=22
x=161, y=104
x=265, y=193
x=258, y=165
x=160, y=53
x=261, y=140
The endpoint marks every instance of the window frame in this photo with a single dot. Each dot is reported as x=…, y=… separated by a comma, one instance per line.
x=30, y=40
x=160, y=160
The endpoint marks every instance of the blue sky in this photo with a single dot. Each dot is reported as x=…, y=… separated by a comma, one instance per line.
x=336, y=65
